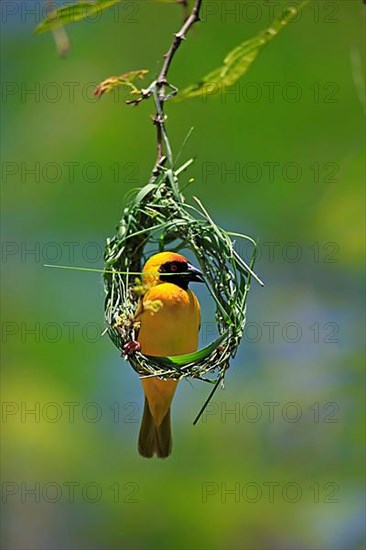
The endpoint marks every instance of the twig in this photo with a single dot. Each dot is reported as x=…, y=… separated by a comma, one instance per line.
x=161, y=82
x=178, y=39
x=158, y=89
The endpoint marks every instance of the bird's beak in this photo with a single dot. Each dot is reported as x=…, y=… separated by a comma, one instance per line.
x=195, y=274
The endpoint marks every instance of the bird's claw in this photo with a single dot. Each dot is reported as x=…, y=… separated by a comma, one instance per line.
x=130, y=348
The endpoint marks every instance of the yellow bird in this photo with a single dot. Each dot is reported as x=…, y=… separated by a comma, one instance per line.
x=170, y=328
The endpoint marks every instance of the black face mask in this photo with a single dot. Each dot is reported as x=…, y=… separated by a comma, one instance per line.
x=180, y=274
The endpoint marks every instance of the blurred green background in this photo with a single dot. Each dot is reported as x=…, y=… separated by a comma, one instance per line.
x=297, y=394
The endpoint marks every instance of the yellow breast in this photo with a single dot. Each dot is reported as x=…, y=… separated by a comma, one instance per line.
x=173, y=328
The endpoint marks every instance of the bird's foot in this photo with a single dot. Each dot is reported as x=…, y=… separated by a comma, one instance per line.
x=130, y=348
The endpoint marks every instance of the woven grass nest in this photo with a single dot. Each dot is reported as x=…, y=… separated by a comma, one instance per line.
x=157, y=215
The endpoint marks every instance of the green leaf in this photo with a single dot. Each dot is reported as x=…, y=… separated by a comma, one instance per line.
x=238, y=61
x=71, y=13
x=181, y=360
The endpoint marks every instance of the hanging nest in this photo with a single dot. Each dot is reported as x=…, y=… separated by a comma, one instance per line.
x=157, y=214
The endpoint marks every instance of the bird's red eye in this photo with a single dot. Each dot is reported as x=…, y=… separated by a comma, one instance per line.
x=174, y=267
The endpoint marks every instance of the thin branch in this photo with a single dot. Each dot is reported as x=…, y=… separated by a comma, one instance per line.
x=161, y=82
x=158, y=89
x=178, y=39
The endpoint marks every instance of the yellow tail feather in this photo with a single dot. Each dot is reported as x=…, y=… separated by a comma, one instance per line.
x=154, y=439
